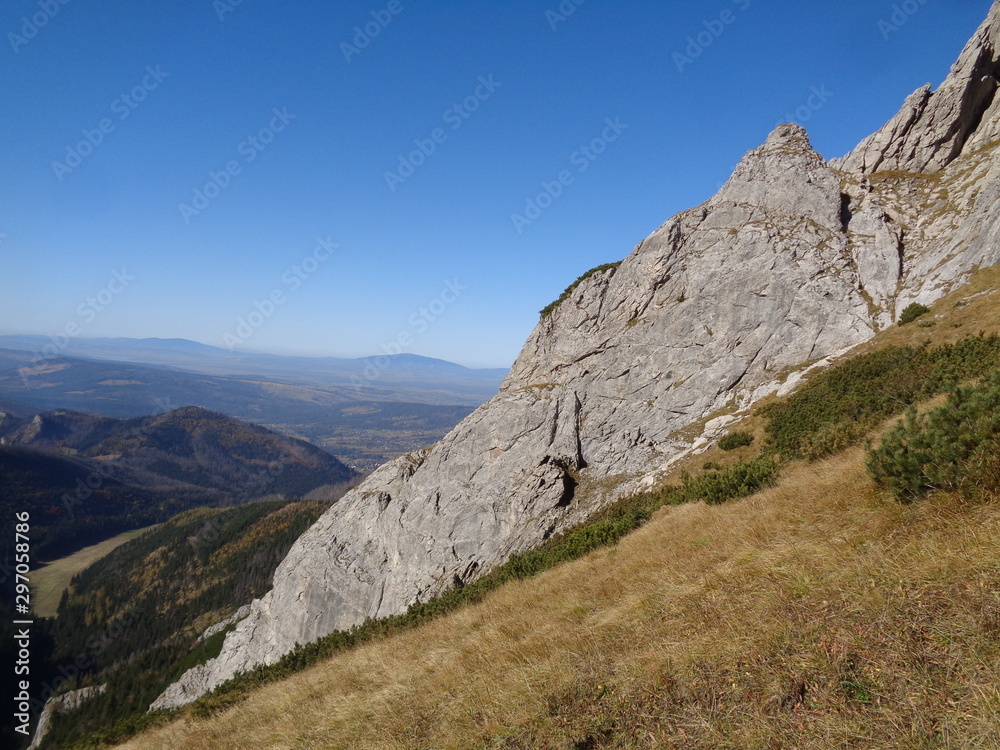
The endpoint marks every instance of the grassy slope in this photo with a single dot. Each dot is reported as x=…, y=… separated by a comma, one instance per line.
x=50, y=580
x=817, y=614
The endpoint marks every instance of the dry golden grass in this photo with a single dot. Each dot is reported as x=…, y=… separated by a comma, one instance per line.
x=819, y=614
x=972, y=308
x=51, y=579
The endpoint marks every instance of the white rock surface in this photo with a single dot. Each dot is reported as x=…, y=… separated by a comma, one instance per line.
x=794, y=261
x=61, y=704
x=934, y=128
x=220, y=626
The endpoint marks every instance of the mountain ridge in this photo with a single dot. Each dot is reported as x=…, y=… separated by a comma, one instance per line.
x=796, y=259
x=216, y=360
x=84, y=478
x=365, y=428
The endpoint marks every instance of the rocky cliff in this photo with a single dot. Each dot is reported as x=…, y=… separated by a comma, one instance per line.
x=796, y=259
x=62, y=704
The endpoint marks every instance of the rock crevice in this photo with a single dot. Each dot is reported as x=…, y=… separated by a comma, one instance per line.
x=794, y=260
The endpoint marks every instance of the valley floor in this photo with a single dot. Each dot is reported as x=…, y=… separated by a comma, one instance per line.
x=54, y=577
x=818, y=614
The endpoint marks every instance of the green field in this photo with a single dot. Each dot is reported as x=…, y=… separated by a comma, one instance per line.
x=50, y=580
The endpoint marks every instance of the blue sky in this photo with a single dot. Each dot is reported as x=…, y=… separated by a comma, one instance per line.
x=240, y=191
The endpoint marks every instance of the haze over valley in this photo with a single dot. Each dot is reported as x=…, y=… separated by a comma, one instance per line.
x=509, y=376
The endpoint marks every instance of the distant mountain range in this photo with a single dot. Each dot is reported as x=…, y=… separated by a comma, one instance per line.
x=401, y=377
x=84, y=478
x=364, y=425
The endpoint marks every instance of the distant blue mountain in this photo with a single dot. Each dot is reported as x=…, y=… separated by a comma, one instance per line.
x=409, y=377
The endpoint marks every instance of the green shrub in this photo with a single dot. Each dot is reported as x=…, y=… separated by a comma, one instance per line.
x=612, y=267
x=832, y=439
x=735, y=440
x=953, y=447
x=861, y=391
x=741, y=480
x=912, y=312
x=836, y=408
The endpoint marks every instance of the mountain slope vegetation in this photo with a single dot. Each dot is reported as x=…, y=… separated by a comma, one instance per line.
x=818, y=612
x=132, y=620
x=86, y=478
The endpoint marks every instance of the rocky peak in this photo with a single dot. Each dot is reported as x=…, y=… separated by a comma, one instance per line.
x=934, y=127
x=784, y=176
x=794, y=260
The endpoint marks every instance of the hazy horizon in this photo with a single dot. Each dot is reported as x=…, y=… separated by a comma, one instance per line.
x=55, y=345
x=328, y=180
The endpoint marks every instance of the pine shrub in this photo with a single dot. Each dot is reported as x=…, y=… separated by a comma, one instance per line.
x=912, y=312
x=953, y=447
x=612, y=267
x=741, y=480
x=735, y=440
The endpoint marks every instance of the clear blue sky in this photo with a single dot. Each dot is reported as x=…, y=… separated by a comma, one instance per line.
x=323, y=174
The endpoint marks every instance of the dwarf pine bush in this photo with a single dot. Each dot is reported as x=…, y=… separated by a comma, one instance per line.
x=836, y=408
x=572, y=287
x=735, y=440
x=912, y=312
x=953, y=447
x=741, y=480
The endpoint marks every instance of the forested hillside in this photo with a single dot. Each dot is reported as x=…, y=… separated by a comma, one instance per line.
x=132, y=620
x=85, y=478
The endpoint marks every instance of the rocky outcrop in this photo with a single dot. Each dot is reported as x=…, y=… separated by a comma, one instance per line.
x=61, y=704
x=934, y=127
x=220, y=626
x=793, y=261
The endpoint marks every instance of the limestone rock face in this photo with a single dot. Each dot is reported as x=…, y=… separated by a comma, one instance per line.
x=62, y=704
x=793, y=261
x=934, y=128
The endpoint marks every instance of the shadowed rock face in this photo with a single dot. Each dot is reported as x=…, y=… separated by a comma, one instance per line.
x=796, y=259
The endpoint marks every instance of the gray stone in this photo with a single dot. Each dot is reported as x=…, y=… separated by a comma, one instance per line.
x=934, y=128
x=794, y=261
x=61, y=704
x=220, y=626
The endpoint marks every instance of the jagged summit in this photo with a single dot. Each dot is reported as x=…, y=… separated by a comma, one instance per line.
x=935, y=127
x=794, y=260
x=785, y=167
